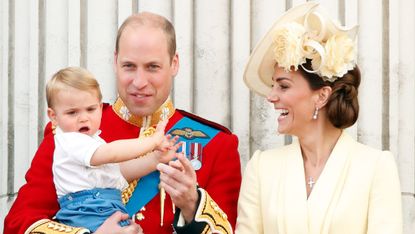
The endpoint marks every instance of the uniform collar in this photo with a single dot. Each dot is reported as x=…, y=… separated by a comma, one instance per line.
x=165, y=111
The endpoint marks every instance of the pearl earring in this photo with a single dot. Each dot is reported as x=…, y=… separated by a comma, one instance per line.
x=315, y=114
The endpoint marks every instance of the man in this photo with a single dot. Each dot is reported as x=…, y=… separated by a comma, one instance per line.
x=146, y=62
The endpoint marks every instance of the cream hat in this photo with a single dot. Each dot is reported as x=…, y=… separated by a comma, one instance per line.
x=303, y=32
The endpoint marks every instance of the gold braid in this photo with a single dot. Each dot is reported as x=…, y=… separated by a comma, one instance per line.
x=128, y=192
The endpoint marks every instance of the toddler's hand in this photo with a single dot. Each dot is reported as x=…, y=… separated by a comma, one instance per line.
x=161, y=126
x=167, y=153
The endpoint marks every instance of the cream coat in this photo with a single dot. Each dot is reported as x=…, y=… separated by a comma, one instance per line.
x=357, y=192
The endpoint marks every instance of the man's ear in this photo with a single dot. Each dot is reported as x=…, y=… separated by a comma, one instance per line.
x=52, y=116
x=115, y=61
x=175, y=64
x=324, y=94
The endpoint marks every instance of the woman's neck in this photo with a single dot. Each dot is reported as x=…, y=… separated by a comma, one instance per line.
x=316, y=146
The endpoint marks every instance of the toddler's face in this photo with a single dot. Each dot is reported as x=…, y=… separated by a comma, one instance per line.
x=76, y=111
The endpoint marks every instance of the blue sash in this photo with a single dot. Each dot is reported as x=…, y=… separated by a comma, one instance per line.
x=189, y=131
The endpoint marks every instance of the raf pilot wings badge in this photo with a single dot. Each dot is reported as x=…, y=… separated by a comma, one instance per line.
x=189, y=133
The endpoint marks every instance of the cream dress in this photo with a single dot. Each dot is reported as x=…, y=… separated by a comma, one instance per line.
x=358, y=191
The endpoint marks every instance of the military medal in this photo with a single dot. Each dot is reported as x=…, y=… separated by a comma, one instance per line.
x=183, y=148
x=196, y=164
x=196, y=155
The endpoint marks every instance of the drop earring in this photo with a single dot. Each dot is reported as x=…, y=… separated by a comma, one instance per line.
x=315, y=114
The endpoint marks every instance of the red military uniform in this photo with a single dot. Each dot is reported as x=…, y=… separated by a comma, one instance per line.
x=219, y=176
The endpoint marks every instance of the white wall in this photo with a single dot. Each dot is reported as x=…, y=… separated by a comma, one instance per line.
x=215, y=37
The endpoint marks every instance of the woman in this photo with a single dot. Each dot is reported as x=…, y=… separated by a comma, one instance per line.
x=325, y=181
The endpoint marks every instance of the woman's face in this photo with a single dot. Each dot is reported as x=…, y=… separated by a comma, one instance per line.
x=293, y=98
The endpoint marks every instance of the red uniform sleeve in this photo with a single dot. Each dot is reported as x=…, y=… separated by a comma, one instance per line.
x=36, y=199
x=225, y=177
x=221, y=183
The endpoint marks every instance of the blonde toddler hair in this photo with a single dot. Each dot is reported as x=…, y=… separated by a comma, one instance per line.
x=75, y=77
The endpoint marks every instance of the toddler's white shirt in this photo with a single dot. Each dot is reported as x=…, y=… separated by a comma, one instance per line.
x=72, y=171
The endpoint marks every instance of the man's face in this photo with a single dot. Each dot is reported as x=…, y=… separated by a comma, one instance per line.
x=144, y=69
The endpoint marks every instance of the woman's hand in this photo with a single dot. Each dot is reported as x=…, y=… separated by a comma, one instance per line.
x=111, y=225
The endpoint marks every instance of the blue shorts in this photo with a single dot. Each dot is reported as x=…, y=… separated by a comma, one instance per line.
x=90, y=208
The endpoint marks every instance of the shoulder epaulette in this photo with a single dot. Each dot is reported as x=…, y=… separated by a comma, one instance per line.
x=205, y=121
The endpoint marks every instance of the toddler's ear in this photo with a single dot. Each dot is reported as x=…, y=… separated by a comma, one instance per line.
x=52, y=116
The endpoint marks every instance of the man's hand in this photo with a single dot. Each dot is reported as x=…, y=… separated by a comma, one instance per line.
x=111, y=225
x=179, y=180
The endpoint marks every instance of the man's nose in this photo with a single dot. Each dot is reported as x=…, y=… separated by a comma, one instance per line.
x=140, y=79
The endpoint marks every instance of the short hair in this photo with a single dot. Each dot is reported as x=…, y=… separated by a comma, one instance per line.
x=152, y=20
x=343, y=104
x=75, y=77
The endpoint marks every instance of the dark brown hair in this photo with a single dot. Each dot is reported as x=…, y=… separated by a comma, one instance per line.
x=343, y=104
